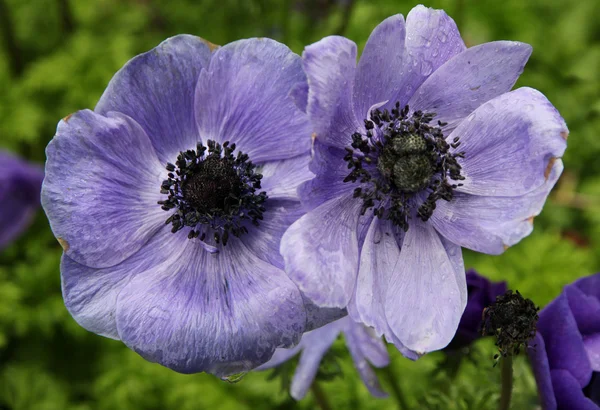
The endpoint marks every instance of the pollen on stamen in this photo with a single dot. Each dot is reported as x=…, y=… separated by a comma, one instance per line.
x=213, y=192
x=403, y=164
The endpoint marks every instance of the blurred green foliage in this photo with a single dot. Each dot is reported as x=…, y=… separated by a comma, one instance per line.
x=57, y=57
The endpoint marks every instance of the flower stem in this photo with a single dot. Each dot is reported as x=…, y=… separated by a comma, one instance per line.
x=395, y=386
x=320, y=396
x=507, y=382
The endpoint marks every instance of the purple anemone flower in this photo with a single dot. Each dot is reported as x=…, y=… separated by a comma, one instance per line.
x=20, y=184
x=481, y=293
x=418, y=150
x=365, y=348
x=565, y=353
x=171, y=197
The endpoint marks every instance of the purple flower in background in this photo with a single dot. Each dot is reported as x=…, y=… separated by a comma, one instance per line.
x=481, y=293
x=171, y=197
x=365, y=348
x=20, y=184
x=424, y=134
x=565, y=353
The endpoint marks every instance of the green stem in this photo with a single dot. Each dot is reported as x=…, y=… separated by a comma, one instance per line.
x=395, y=386
x=320, y=396
x=507, y=382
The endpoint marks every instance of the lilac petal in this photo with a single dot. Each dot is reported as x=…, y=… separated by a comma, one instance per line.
x=510, y=144
x=90, y=294
x=221, y=313
x=20, y=185
x=470, y=79
x=265, y=240
x=370, y=345
x=282, y=178
x=330, y=169
x=330, y=67
x=378, y=261
x=281, y=356
x=299, y=94
x=317, y=317
x=316, y=344
x=563, y=341
x=244, y=97
x=156, y=89
x=426, y=294
x=569, y=394
x=541, y=370
x=102, y=169
x=490, y=224
x=320, y=251
x=356, y=345
x=377, y=72
x=432, y=38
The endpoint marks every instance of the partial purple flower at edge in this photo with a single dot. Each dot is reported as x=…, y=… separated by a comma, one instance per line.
x=171, y=197
x=20, y=185
x=365, y=348
x=481, y=293
x=427, y=134
x=565, y=353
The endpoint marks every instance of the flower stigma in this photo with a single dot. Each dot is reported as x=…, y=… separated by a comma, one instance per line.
x=213, y=191
x=402, y=164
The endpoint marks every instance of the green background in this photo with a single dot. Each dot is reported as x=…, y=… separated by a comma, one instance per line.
x=57, y=57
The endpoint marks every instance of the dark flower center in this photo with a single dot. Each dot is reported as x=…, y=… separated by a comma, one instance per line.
x=512, y=319
x=403, y=164
x=213, y=191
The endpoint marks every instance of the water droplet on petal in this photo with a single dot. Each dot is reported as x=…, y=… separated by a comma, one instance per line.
x=234, y=378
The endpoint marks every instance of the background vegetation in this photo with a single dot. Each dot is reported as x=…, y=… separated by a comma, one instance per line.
x=57, y=56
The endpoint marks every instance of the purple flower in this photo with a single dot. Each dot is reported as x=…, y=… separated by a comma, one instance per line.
x=170, y=199
x=20, y=184
x=365, y=348
x=425, y=134
x=481, y=293
x=565, y=353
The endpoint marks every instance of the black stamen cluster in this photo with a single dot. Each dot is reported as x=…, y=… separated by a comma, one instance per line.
x=212, y=187
x=400, y=157
x=512, y=319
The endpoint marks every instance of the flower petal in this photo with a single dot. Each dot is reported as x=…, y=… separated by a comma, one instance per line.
x=490, y=224
x=265, y=240
x=568, y=392
x=244, y=97
x=510, y=144
x=470, y=79
x=330, y=66
x=370, y=345
x=316, y=344
x=221, y=313
x=360, y=345
x=426, y=294
x=432, y=38
x=320, y=251
x=563, y=341
x=102, y=169
x=541, y=370
x=378, y=261
x=282, y=178
x=330, y=170
x=20, y=185
x=156, y=89
x=377, y=72
x=90, y=294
